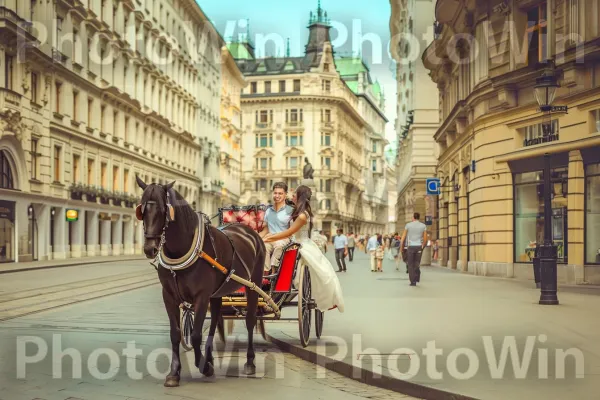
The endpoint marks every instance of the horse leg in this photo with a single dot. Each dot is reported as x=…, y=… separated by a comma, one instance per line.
x=172, y=379
x=252, y=298
x=215, y=317
x=201, y=362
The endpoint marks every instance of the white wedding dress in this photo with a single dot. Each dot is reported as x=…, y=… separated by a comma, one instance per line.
x=326, y=288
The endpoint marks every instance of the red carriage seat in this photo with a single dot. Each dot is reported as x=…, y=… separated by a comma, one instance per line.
x=287, y=265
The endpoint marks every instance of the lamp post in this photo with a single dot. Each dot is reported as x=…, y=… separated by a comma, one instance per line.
x=545, y=92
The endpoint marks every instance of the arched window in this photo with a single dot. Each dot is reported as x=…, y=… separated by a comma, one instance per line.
x=6, y=176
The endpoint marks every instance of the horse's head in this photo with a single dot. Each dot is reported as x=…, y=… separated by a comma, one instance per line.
x=156, y=212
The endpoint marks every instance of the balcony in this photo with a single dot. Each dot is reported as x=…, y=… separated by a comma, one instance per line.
x=10, y=99
x=261, y=173
x=292, y=173
x=327, y=125
x=294, y=125
x=261, y=126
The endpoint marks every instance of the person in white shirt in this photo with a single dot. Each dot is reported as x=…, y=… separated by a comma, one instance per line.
x=340, y=243
x=371, y=248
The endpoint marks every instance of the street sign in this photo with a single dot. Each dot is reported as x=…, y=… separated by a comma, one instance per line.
x=433, y=186
x=428, y=220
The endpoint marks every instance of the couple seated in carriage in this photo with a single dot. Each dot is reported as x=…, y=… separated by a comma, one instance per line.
x=285, y=222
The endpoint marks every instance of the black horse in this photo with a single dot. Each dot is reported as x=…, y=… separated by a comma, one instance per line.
x=167, y=216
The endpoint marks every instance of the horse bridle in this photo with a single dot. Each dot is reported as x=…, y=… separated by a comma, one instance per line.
x=169, y=217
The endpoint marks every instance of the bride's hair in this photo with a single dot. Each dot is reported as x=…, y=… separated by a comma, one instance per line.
x=303, y=195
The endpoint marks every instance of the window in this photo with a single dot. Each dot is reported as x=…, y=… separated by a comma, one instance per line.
x=115, y=122
x=89, y=110
x=596, y=118
x=103, y=177
x=374, y=165
x=326, y=185
x=6, y=177
x=264, y=140
x=115, y=185
x=374, y=146
x=90, y=171
x=293, y=139
x=75, y=100
x=326, y=85
x=57, y=93
x=592, y=214
x=34, y=157
x=264, y=118
x=261, y=184
x=253, y=87
x=537, y=30
x=59, y=22
x=325, y=139
x=529, y=213
x=263, y=163
x=57, y=169
x=282, y=86
x=76, y=168
x=326, y=162
x=536, y=132
x=326, y=67
x=268, y=87
x=325, y=115
x=8, y=72
x=292, y=162
x=293, y=116
x=296, y=85
x=34, y=88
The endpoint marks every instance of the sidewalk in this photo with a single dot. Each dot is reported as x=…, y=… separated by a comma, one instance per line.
x=6, y=268
x=387, y=325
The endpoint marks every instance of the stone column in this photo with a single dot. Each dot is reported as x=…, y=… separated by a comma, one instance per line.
x=105, y=233
x=92, y=233
x=139, y=237
x=463, y=225
x=59, y=251
x=117, y=236
x=77, y=228
x=443, y=244
x=128, y=233
x=576, y=216
x=452, y=231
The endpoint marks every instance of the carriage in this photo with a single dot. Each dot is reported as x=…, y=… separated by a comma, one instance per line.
x=289, y=286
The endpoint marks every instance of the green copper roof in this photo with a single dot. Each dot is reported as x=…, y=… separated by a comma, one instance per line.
x=353, y=85
x=377, y=89
x=239, y=51
x=350, y=66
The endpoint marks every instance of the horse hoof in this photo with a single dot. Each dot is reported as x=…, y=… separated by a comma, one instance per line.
x=172, y=381
x=249, y=369
x=209, y=370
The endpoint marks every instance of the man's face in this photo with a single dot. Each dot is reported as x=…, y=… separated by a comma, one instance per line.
x=278, y=195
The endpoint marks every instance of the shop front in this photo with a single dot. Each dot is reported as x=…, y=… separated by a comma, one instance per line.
x=591, y=160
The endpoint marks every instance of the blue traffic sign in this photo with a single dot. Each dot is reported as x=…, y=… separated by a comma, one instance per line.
x=433, y=186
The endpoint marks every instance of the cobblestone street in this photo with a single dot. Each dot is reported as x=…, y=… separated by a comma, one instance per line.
x=108, y=325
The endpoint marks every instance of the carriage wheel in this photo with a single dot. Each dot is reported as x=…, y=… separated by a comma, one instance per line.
x=304, y=299
x=187, y=327
x=319, y=316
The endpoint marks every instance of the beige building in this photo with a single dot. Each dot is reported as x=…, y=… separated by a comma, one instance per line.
x=418, y=112
x=320, y=108
x=93, y=94
x=491, y=140
x=232, y=83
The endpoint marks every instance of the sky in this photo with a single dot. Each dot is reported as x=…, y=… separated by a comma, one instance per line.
x=281, y=20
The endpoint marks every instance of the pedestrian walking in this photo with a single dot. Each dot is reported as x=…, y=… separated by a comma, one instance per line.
x=415, y=238
x=340, y=243
x=371, y=248
x=395, y=250
x=379, y=253
x=351, y=245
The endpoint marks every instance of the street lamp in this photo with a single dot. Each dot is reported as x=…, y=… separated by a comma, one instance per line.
x=545, y=92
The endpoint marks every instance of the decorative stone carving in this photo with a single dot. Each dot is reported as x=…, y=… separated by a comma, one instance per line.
x=48, y=82
x=26, y=79
x=10, y=121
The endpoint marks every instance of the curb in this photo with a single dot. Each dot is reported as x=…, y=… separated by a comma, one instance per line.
x=80, y=261
x=366, y=376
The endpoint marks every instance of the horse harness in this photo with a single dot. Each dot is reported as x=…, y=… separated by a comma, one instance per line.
x=195, y=252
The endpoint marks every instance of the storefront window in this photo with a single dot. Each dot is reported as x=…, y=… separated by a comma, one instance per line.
x=592, y=214
x=529, y=213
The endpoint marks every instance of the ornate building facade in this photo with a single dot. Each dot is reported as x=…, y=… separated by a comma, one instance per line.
x=417, y=110
x=232, y=84
x=320, y=108
x=94, y=93
x=493, y=137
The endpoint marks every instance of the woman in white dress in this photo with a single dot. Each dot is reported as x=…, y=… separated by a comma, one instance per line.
x=326, y=288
